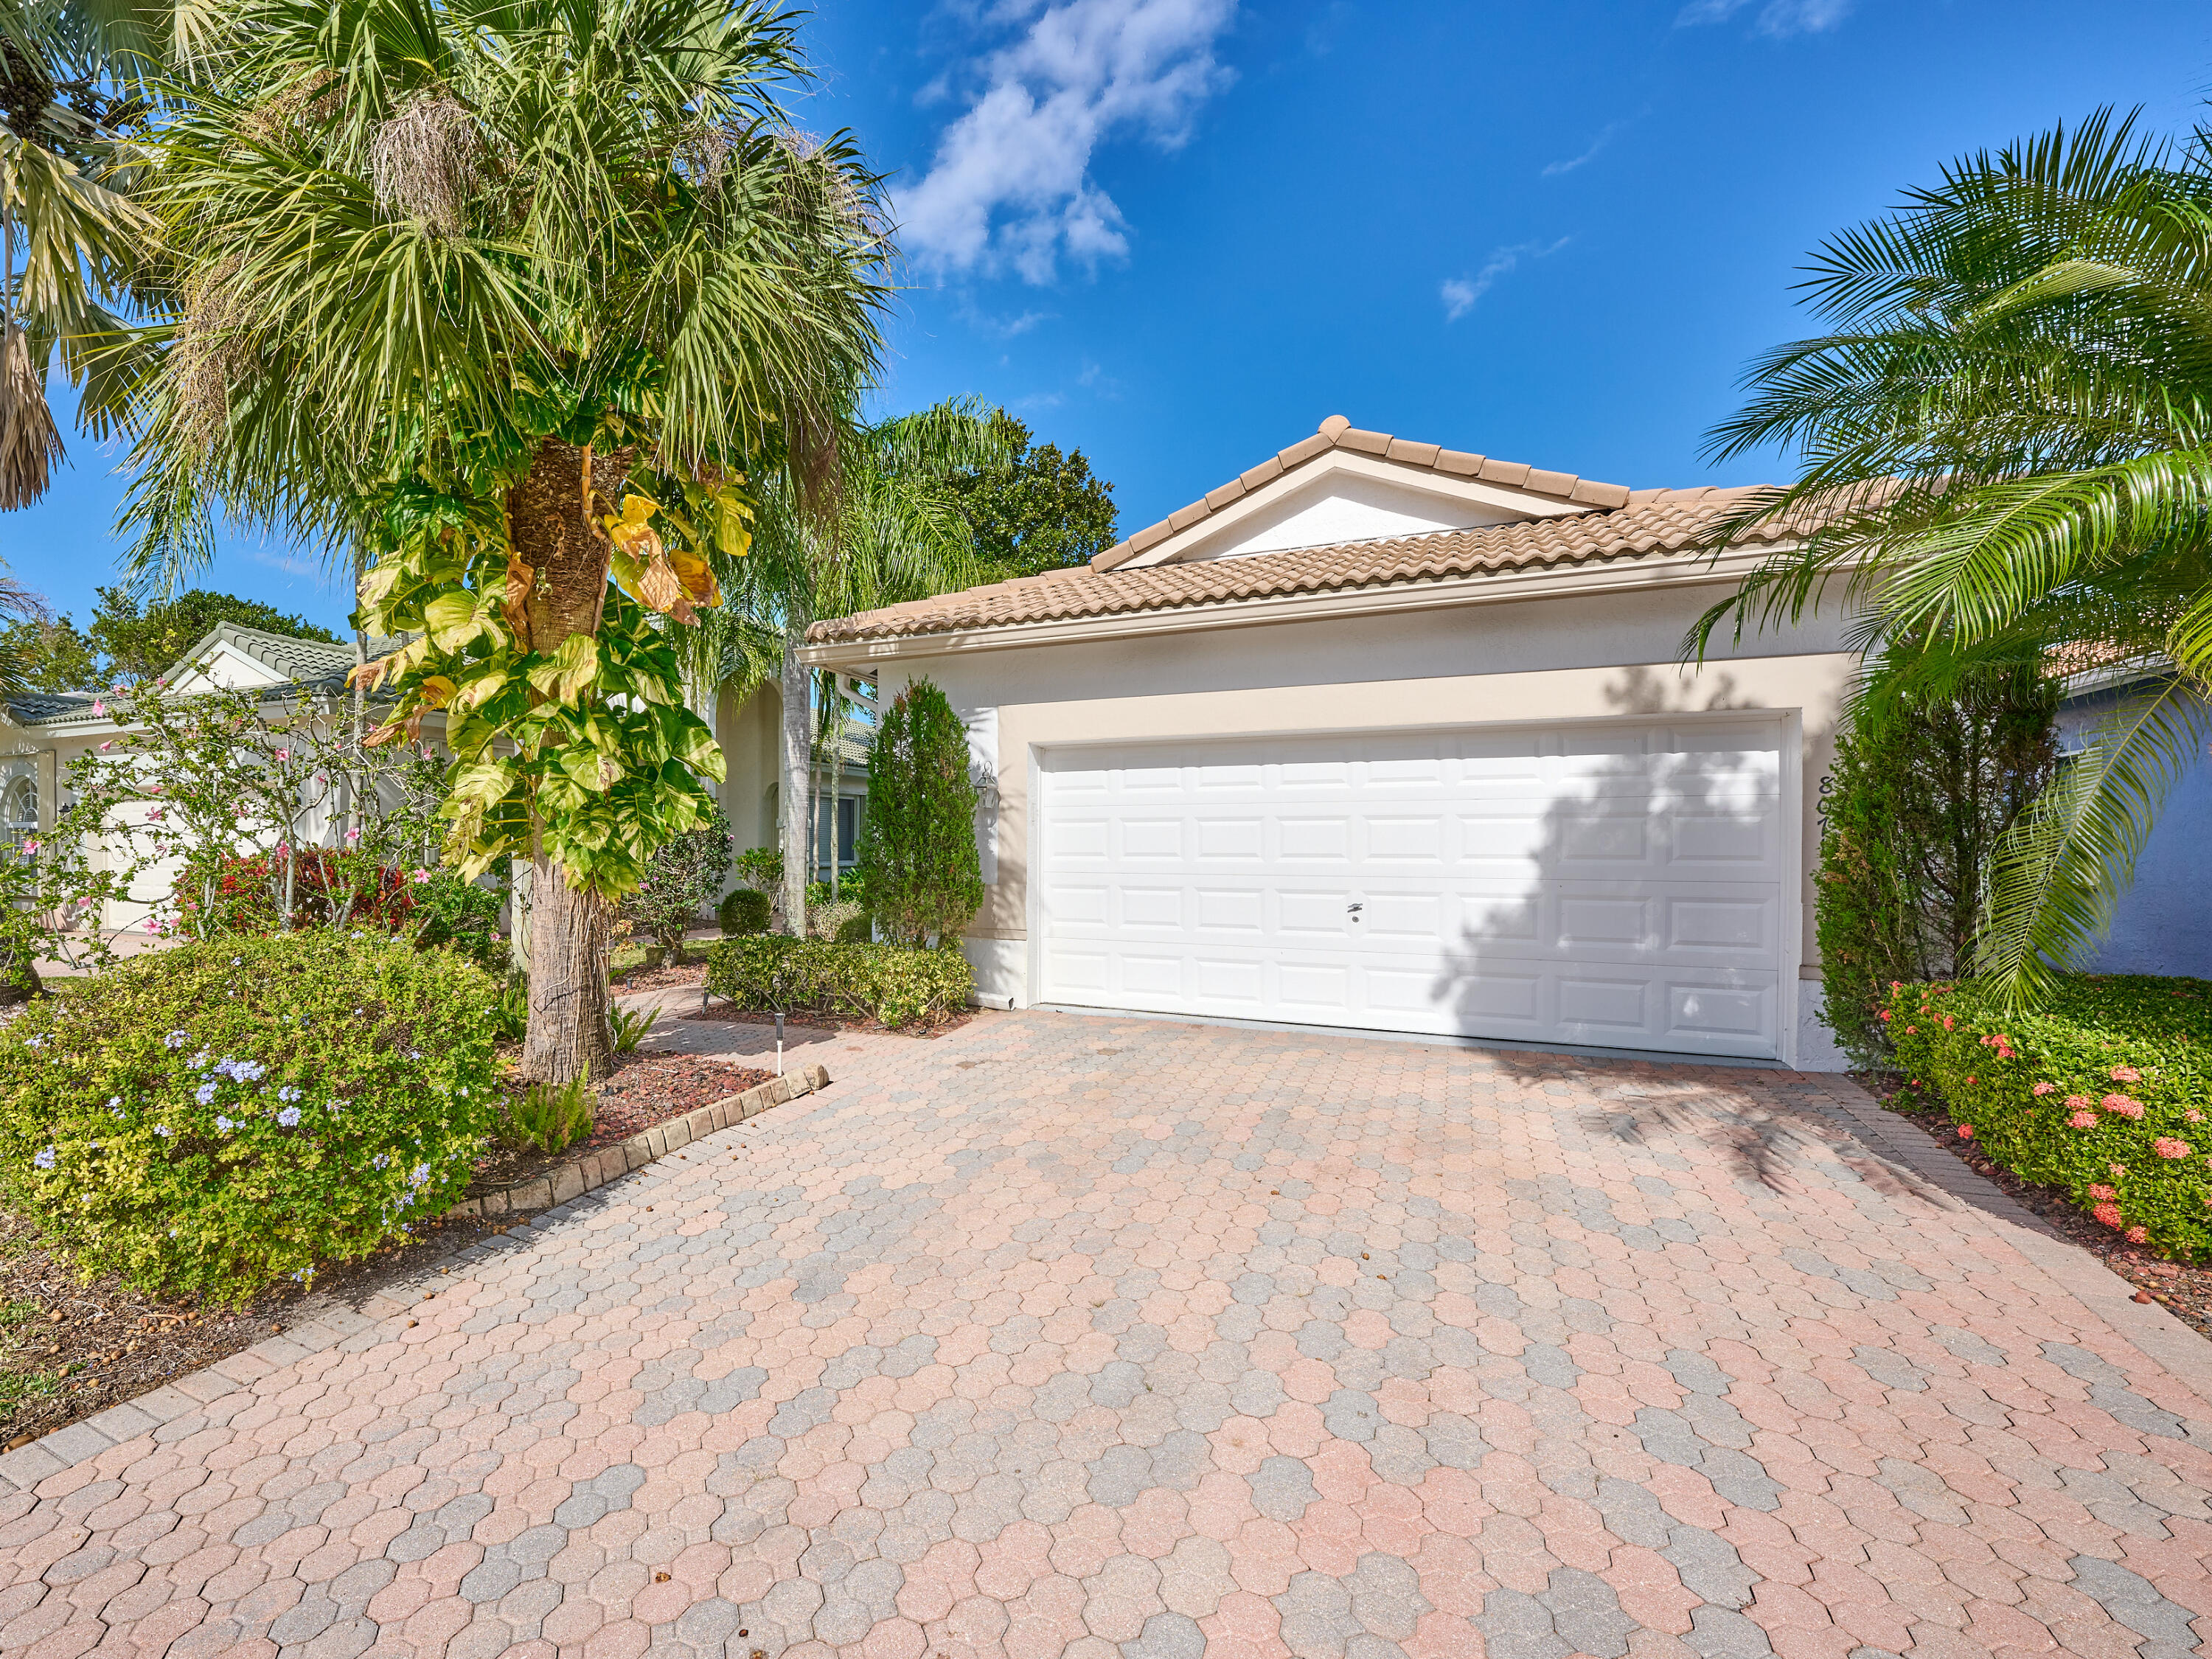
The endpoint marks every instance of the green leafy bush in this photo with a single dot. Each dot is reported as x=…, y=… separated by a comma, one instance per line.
x=917, y=852
x=760, y=868
x=893, y=984
x=845, y=920
x=682, y=880
x=203, y=1119
x=549, y=1117
x=745, y=911
x=1923, y=787
x=2105, y=1090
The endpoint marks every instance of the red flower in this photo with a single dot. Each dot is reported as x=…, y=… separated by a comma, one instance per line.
x=2167, y=1147
x=2108, y=1213
x=2137, y=1236
x=1966, y=1130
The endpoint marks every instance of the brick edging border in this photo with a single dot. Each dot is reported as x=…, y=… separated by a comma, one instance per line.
x=595, y=1170
x=332, y=1325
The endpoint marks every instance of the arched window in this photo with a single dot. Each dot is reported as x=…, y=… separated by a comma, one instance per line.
x=19, y=807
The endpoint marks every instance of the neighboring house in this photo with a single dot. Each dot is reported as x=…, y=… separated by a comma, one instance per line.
x=1385, y=736
x=2160, y=924
x=41, y=733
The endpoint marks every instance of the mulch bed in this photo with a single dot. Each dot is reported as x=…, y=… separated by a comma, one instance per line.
x=661, y=978
x=69, y=1350
x=644, y=1089
x=2185, y=1288
x=831, y=1020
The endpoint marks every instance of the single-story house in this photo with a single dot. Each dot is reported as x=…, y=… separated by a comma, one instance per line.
x=1382, y=735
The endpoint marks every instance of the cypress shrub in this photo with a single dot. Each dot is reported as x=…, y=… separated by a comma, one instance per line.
x=917, y=852
x=1922, y=789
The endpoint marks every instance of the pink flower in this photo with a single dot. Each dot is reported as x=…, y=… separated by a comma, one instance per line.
x=283, y=754
x=2044, y=1089
x=419, y=877
x=1949, y=1022
x=1885, y=1013
x=98, y=707
x=2077, y=1101
x=2123, y=1105
x=2103, y=1191
x=2083, y=1120
x=2118, y=1170
x=30, y=843
x=2137, y=1236
x=2107, y=1214
x=109, y=744
x=1972, y=1079
x=157, y=815
x=2126, y=1074
x=2167, y=1147
x=353, y=835
x=1911, y=1030
x=2194, y=1115
x=1966, y=1130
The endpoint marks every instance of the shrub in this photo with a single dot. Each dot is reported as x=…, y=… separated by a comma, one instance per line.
x=760, y=868
x=549, y=1117
x=890, y=983
x=206, y=1118
x=843, y=919
x=225, y=898
x=917, y=852
x=1922, y=789
x=745, y=911
x=682, y=880
x=2105, y=1091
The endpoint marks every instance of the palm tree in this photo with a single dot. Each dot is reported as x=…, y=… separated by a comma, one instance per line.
x=894, y=530
x=2007, y=440
x=69, y=240
x=504, y=298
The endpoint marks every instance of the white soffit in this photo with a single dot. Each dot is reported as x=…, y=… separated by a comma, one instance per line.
x=1343, y=496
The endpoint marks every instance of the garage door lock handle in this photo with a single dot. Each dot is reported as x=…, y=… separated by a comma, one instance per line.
x=1355, y=909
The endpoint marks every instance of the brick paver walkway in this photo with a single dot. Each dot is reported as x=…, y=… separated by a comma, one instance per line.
x=1062, y=1335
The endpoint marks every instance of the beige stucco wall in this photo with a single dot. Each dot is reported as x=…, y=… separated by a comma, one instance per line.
x=1568, y=658
x=750, y=733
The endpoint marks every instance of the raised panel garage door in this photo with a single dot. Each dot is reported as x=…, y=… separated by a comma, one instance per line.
x=1615, y=886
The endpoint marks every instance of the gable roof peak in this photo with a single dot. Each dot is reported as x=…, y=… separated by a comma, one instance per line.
x=1338, y=433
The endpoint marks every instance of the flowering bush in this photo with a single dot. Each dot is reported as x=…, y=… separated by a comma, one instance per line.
x=2105, y=1090
x=203, y=1119
x=225, y=896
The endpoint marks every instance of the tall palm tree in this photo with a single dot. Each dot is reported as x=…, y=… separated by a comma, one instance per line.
x=71, y=241
x=894, y=530
x=508, y=296
x=2007, y=439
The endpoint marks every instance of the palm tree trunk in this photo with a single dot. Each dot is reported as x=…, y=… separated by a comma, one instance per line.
x=798, y=778
x=554, y=533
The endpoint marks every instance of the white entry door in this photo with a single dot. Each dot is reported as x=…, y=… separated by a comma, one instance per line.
x=1603, y=885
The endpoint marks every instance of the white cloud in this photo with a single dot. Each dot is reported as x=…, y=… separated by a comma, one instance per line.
x=1010, y=186
x=1606, y=135
x=1460, y=294
x=1778, y=18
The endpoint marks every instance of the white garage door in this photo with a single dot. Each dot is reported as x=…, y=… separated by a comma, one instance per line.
x=1616, y=886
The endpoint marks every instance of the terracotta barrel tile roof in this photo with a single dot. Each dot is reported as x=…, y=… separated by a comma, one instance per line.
x=1652, y=521
x=1338, y=433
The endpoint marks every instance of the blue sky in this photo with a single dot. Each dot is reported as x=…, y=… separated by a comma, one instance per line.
x=1178, y=233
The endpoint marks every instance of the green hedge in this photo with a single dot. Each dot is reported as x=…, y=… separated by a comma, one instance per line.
x=204, y=1119
x=2105, y=1090
x=890, y=983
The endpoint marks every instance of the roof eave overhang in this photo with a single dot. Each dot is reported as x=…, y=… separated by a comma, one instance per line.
x=1627, y=574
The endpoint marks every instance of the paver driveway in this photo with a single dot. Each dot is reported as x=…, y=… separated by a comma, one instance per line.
x=1060, y=1334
